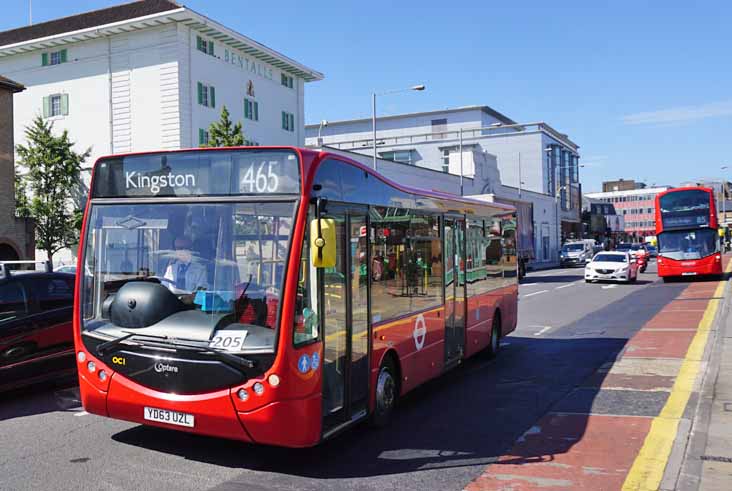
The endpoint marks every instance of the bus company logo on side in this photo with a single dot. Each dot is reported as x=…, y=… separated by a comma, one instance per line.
x=119, y=360
x=164, y=367
x=135, y=180
x=420, y=332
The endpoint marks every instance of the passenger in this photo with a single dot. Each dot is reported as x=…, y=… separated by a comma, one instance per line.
x=183, y=273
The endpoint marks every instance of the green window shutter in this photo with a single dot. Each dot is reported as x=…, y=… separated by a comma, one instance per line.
x=292, y=122
x=199, y=43
x=44, y=59
x=211, y=48
x=256, y=111
x=212, y=98
x=284, y=120
x=246, y=108
x=65, y=104
x=46, y=106
x=201, y=137
x=200, y=93
x=62, y=56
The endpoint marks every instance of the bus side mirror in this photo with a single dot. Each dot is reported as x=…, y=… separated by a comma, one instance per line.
x=323, y=242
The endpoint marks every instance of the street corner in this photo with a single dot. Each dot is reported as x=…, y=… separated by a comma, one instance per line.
x=568, y=452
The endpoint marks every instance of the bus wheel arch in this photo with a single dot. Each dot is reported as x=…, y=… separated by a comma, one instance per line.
x=387, y=389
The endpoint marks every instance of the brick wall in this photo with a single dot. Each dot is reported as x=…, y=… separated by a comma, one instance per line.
x=17, y=233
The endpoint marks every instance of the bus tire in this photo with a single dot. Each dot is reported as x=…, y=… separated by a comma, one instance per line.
x=494, y=346
x=387, y=391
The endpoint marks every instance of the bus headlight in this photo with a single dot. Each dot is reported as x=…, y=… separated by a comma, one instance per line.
x=258, y=388
x=91, y=366
x=242, y=394
x=102, y=375
x=81, y=356
x=274, y=380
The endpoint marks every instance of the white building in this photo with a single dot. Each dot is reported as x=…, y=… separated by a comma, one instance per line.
x=533, y=158
x=151, y=75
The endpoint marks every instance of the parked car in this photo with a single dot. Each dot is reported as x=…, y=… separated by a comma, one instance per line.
x=36, y=337
x=612, y=266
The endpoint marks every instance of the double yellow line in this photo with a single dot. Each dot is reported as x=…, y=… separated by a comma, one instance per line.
x=650, y=463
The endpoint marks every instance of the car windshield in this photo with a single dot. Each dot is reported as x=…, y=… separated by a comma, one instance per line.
x=635, y=247
x=610, y=258
x=186, y=270
x=688, y=244
x=573, y=247
x=624, y=247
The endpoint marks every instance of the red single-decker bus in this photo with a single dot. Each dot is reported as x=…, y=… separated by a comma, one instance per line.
x=279, y=295
x=686, y=230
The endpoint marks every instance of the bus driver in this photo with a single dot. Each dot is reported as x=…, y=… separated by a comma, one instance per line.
x=183, y=273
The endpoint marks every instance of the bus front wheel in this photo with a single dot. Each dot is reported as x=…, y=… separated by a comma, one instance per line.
x=386, y=393
x=495, y=344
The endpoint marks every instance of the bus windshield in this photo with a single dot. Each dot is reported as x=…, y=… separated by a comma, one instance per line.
x=688, y=244
x=186, y=270
x=680, y=209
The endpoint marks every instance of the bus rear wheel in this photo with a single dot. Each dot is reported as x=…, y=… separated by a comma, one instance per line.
x=386, y=394
x=495, y=345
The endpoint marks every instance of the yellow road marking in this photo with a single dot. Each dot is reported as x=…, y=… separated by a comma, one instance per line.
x=650, y=463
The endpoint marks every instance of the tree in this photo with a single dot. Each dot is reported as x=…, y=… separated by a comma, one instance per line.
x=223, y=133
x=46, y=192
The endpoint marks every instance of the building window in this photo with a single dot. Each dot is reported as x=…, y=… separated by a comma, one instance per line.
x=287, y=81
x=250, y=143
x=205, y=46
x=56, y=105
x=202, y=137
x=251, y=109
x=288, y=121
x=54, y=58
x=445, y=160
x=206, y=95
x=402, y=156
x=439, y=128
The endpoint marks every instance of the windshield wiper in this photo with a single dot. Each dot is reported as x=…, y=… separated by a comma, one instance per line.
x=173, y=342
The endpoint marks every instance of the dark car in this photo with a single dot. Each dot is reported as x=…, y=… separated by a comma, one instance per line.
x=36, y=337
x=652, y=250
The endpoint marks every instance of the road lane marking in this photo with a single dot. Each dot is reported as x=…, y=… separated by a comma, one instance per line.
x=545, y=329
x=607, y=287
x=650, y=463
x=81, y=413
x=535, y=293
x=565, y=286
x=528, y=284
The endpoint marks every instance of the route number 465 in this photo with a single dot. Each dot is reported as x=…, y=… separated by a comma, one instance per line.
x=262, y=180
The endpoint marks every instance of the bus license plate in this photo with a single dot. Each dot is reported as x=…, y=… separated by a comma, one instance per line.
x=169, y=417
x=688, y=273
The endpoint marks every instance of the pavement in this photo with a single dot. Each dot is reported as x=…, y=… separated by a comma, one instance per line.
x=601, y=387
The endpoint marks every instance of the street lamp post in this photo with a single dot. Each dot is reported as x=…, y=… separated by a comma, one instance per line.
x=724, y=196
x=373, y=110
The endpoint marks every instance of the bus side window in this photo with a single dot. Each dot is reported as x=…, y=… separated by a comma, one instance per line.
x=306, y=318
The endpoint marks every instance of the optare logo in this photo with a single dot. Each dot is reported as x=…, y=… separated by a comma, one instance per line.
x=118, y=360
x=164, y=367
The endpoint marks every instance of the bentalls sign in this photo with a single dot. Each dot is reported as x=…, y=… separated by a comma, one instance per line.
x=248, y=65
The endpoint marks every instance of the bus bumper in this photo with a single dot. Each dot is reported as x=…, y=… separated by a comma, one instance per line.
x=711, y=265
x=291, y=423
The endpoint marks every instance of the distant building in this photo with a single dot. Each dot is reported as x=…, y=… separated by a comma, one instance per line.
x=17, y=240
x=636, y=206
x=533, y=158
x=621, y=185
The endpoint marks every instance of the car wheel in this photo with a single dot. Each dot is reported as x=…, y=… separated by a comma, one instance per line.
x=495, y=345
x=386, y=394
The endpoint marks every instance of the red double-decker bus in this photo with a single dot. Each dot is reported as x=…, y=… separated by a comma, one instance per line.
x=279, y=295
x=686, y=230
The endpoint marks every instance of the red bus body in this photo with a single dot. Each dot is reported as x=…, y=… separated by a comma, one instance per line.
x=700, y=261
x=290, y=413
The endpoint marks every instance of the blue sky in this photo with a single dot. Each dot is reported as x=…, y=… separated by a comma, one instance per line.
x=645, y=88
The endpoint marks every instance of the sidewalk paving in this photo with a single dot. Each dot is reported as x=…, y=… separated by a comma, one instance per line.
x=629, y=423
x=708, y=460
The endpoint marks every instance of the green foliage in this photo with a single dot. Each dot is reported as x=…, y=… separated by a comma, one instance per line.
x=46, y=192
x=223, y=133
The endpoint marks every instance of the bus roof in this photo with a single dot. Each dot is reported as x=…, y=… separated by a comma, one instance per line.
x=311, y=158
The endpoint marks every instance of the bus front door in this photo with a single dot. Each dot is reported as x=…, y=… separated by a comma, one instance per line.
x=345, y=323
x=454, y=289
